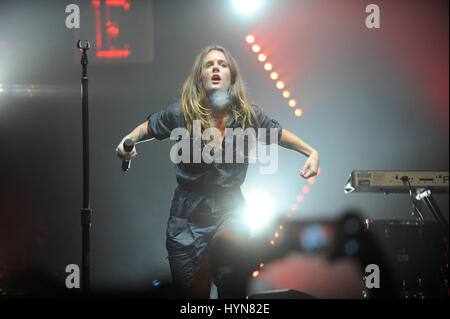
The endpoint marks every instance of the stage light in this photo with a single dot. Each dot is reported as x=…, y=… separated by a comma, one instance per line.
x=247, y=7
x=250, y=38
x=267, y=66
x=31, y=90
x=294, y=207
x=305, y=189
x=261, y=265
x=311, y=180
x=280, y=85
x=274, y=75
x=255, y=274
x=259, y=211
x=262, y=57
x=298, y=112
x=272, y=242
x=300, y=198
x=286, y=94
x=292, y=103
x=313, y=237
x=351, y=247
x=256, y=48
x=281, y=227
x=112, y=29
x=277, y=235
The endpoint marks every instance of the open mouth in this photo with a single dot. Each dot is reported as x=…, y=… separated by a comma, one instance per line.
x=215, y=79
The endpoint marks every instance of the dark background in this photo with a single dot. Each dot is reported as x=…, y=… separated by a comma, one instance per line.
x=372, y=99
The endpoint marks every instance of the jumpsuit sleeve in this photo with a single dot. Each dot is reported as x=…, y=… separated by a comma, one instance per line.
x=267, y=123
x=161, y=124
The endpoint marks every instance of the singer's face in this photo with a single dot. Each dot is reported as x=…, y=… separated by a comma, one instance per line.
x=216, y=74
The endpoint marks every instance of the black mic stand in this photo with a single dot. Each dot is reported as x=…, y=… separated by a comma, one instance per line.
x=86, y=211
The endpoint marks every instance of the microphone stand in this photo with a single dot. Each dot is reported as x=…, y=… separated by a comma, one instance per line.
x=86, y=211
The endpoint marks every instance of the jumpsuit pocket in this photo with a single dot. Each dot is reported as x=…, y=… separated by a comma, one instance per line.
x=176, y=226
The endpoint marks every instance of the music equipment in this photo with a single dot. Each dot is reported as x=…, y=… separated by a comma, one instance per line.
x=390, y=181
x=417, y=253
x=424, y=183
x=128, y=146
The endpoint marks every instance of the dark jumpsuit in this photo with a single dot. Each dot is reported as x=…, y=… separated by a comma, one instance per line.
x=205, y=235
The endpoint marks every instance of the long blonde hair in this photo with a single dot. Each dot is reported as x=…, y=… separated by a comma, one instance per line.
x=194, y=98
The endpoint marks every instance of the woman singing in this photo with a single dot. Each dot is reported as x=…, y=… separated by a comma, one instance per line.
x=205, y=235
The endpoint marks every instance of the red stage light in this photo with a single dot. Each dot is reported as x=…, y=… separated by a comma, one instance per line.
x=262, y=57
x=286, y=94
x=112, y=29
x=113, y=54
x=280, y=85
x=118, y=3
x=256, y=48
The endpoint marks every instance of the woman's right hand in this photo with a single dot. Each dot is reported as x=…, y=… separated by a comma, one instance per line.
x=123, y=155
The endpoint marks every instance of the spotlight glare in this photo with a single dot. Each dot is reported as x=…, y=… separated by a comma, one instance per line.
x=280, y=85
x=305, y=189
x=247, y=7
x=255, y=274
x=259, y=211
x=298, y=112
x=262, y=57
x=250, y=38
x=256, y=48
x=286, y=94
x=274, y=75
x=292, y=103
x=267, y=66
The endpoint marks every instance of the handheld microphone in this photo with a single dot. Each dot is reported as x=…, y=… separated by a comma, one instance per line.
x=128, y=146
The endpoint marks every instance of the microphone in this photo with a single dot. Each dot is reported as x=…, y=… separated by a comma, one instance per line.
x=128, y=146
